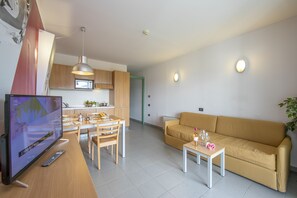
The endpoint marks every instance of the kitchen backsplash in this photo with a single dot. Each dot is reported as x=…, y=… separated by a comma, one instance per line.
x=77, y=98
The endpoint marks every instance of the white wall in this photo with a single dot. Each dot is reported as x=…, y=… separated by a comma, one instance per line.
x=96, y=64
x=77, y=98
x=46, y=43
x=208, y=78
x=9, y=52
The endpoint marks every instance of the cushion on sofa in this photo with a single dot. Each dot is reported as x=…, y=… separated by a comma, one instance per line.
x=200, y=121
x=266, y=132
x=253, y=152
x=181, y=132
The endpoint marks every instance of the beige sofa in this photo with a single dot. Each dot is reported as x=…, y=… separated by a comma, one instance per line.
x=256, y=149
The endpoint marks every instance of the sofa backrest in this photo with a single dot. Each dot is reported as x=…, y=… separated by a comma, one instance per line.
x=266, y=132
x=200, y=121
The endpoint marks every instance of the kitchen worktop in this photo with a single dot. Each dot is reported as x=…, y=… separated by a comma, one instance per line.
x=73, y=108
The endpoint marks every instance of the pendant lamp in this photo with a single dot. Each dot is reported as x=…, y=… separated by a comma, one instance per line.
x=82, y=67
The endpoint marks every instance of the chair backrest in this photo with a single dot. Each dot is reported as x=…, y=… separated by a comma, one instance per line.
x=70, y=118
x=108, y=128
x=70, y=126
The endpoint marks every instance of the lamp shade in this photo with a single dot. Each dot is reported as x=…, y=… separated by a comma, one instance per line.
x=176, y=77
x=240, y=65
x=82, y=67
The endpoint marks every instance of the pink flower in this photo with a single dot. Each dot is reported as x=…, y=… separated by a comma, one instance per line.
x=195, y=129
x=210, y=146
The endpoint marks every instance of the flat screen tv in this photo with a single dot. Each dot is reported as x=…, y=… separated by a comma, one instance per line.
x=32, y=125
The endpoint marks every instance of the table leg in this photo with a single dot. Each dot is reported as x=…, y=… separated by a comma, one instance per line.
x=89, y=141
x=123, y=139
x=198, y=159
x=209, y=167
x=223, y=163
x=185, y=159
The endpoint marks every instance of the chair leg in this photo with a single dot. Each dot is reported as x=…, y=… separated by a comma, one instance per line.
x=93, y=151
x=117, y=153
x=89, y=141
x=111, y=150
x=78, y=137
x=98, y=151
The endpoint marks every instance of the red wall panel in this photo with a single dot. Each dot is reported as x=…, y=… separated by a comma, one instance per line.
x=25, y=77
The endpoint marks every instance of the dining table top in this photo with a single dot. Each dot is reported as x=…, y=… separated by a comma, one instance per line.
x=92, y=122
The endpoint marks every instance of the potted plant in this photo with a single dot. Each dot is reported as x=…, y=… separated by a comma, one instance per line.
x=90, y=103
x=291, y=110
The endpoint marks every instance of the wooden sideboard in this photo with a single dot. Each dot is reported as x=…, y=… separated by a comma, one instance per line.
x=68, y=176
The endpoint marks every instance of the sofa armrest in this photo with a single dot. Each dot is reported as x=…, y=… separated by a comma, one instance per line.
x=170, y=123
x=283, y=164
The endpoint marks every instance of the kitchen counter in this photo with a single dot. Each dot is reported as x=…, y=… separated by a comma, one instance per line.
x=77, y=108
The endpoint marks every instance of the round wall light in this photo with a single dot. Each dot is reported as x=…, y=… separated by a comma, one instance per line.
x=176, y=77
x=241, y=65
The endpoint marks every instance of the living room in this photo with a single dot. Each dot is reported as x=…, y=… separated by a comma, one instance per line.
x=204, y=58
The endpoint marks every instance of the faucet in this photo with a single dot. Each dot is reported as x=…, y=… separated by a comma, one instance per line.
x=66, y=105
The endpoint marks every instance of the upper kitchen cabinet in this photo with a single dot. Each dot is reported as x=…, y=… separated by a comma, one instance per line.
x=103, y=79
x=89, y=77
x=61, y=77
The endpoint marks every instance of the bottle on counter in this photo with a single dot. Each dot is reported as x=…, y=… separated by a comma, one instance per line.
x=80, y=117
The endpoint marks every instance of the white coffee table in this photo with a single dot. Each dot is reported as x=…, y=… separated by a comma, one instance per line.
x=208, y=154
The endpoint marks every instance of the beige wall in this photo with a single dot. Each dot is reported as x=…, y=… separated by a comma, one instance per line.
x=209, y=80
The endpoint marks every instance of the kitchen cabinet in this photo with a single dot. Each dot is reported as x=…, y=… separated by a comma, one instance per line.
x=120, y=95
x=103, y=79
x=108, y=111
x=61, y=77
x=123, y=113
x=90, y=77
x=68, y=111
x=85, y=112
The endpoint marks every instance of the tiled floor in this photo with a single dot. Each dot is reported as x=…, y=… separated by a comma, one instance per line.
x=154, y=169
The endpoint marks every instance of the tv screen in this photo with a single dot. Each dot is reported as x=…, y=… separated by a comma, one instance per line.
x=32, y=125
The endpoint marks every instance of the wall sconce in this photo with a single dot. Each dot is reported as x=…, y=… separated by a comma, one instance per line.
x=241, y=65
x=176, y=77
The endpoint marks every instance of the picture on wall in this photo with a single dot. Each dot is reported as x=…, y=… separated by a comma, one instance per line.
x=14, y=16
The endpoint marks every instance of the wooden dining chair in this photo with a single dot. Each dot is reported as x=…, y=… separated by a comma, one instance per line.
x=70, y=126
x=107, y=135
x=94, y=117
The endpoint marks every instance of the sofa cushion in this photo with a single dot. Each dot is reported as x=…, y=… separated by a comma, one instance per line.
x=184, y=133
x=266, y=132
x=200, y=121
x=253, y=152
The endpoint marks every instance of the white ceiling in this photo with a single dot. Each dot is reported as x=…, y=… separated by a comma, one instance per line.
x=114, y=27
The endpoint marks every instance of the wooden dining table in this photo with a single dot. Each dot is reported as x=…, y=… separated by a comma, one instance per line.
x=91, y=124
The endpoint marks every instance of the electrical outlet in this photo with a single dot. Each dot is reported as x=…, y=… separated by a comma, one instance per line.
x=200, y=109
x=148, y=114
x=149, y=105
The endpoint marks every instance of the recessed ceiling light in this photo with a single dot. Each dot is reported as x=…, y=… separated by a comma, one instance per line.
x=146, y=32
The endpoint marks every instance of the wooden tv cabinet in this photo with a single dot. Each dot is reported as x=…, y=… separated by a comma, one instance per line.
x=68, y=176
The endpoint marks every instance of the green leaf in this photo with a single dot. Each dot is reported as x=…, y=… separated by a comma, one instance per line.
x=291, y=111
